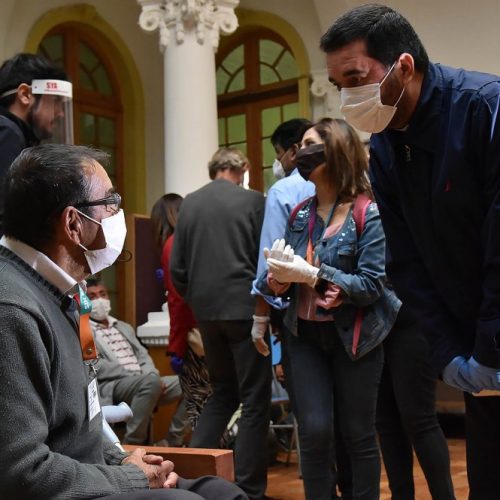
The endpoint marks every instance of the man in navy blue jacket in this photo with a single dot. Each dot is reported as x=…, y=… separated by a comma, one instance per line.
x=434, y=163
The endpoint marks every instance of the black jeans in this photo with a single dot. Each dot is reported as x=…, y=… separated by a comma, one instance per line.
x=238, y=374
x=482, y=423
x=406, y=415
x=206, y=487
x=327, y=382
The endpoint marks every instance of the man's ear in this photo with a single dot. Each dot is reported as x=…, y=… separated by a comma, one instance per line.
x=293, y=152
x=407, y=65
x=71, y=225
x=24, y=95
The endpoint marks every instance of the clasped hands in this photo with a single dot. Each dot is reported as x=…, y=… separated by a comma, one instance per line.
x=286, y=267
x=160, y=473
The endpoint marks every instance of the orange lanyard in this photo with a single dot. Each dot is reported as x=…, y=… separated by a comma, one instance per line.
x=89, y=351
x=312, y=222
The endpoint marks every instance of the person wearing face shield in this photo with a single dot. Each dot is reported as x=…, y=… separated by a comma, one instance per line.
x=35, y=106
x=63, y=222
x=434, y=166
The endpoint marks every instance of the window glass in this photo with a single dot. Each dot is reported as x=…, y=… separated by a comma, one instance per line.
x=236, y=128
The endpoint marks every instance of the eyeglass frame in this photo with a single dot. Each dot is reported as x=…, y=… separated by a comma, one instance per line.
x=112, y=199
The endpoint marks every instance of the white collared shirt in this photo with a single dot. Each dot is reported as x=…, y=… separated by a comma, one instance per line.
x=47, y=268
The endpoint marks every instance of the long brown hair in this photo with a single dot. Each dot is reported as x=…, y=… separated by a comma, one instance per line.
x=346, y=158
x=164, y=217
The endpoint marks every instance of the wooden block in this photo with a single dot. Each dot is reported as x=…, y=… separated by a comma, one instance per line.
x=191, y=463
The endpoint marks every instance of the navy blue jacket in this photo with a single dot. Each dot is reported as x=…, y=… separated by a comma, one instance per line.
x=15, y=135
x=437, y=187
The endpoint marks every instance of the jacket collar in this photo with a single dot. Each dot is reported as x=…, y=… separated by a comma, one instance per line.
x=29, y=135
x=422, y=130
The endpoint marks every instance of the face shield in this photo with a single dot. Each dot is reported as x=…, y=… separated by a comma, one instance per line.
x=52, y=115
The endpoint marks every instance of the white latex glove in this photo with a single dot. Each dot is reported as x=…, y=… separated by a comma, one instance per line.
x=279, y=251
x=297, y=271
x=259, y=329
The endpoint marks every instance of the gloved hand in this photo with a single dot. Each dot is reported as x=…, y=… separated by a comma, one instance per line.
x=176, y=363
x=470, y=376
x=279, y=251
x=259, y=330
x=297, y=271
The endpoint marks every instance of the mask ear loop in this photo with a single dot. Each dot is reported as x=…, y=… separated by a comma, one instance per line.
x=388, y=73
x=385, y=77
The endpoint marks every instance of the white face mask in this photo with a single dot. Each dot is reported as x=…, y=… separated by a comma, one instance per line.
x=114, y=230
x=362, y=106
x=100, y=309
x=278, y=170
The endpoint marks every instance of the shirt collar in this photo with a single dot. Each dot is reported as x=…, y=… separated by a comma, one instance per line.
x=111, y=322
x=47, y=268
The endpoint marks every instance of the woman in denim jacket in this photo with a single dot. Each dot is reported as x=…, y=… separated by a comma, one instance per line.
x=339, y=310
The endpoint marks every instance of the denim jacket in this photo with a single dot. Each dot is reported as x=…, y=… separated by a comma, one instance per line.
x=356, y=266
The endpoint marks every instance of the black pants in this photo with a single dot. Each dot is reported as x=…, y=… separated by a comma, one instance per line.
x=238, y=374
x=327, y=383
x=406, y=415
x=482, y=419
x=207, y=487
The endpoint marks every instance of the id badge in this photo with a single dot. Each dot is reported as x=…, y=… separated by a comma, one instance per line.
x=93, y=399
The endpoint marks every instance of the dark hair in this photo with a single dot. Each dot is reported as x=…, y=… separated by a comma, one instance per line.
x=164, y=217
x=386, y=32
x=23, y=68
x=290, y=132
x=94, y=282
x=346, y=158
x=41, y=182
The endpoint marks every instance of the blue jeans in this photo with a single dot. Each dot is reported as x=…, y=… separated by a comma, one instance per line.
x=327, y=382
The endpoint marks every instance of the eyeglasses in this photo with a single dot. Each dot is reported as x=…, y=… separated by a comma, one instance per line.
x=112, y=203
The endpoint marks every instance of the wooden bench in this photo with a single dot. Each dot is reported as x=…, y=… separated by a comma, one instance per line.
x=191, y=463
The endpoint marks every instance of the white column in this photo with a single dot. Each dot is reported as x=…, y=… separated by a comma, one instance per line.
x=189, y=37
x=327, y=100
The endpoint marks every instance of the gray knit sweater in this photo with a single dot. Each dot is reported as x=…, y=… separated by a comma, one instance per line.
x=49, y=449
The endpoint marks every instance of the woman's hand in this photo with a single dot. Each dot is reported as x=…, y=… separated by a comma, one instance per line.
x=331, y=298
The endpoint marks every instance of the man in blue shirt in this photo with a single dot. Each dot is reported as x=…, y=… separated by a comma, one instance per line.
x=282, y=197
x=435, y=158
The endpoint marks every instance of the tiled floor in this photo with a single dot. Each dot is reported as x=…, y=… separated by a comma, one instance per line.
x=285, y=484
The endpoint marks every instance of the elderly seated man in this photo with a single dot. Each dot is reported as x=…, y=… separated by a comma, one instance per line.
x=127, y=373
x=63, y=222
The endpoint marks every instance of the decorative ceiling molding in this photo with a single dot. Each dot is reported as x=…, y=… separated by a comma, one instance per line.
x=206, y=18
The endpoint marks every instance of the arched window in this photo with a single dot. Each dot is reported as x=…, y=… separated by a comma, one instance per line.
x=96, y=95
x=97, y=108
x=257, y=87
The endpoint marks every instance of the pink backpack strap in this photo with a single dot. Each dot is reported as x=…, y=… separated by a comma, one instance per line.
x=361, y=204
x=297, y=208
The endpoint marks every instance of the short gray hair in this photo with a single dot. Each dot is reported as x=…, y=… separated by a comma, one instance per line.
x=226, y=158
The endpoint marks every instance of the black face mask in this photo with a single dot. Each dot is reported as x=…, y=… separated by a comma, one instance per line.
x=307, y=159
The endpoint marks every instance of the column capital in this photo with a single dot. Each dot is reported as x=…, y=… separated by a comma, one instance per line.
x=206, y=18
x=321, y=87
